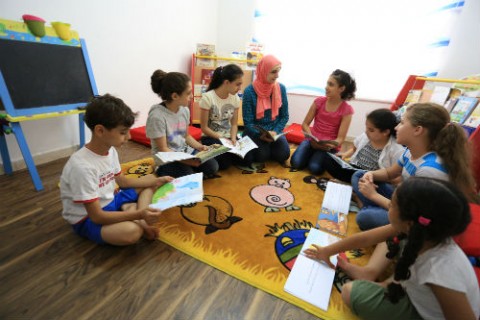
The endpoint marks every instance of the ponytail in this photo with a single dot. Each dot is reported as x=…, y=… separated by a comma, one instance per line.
x=230, y=72
x=452, y=145
x=449, y=141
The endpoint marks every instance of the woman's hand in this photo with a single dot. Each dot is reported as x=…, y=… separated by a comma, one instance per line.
x=265, y=137
x=318, y=253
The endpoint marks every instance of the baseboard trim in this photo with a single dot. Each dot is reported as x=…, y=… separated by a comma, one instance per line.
x=42, y=158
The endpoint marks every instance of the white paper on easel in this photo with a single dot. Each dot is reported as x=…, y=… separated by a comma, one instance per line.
x=312, y=280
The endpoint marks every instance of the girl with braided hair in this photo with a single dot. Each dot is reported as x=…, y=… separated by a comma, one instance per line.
x=433, y=278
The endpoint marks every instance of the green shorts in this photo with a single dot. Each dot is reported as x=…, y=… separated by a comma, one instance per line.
x=368, y=301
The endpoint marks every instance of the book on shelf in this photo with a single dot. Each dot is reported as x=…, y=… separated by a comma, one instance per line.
x=206, y=50
x=201, y=157
x=254, y=53
x=206, y=76
x=333, y=216
x=450, y=104
x=413, y=96
x=241, y=147
x=180, y=191
x=463, y=108
x=267, y=134
x=440, y=94
x=473, y=120
x=311, y=136
x=425, y=96
x=344, y=164
x=312, y=280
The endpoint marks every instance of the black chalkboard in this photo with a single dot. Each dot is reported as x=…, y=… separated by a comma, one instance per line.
x=42, y=75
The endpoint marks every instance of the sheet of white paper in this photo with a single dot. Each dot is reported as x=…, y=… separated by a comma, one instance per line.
x=337, y=197
x=311, y=280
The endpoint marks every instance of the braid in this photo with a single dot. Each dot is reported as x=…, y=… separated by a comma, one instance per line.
x=415, y=241
x=393, y=245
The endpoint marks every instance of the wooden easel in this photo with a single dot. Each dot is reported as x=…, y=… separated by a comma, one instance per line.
x=37, y=100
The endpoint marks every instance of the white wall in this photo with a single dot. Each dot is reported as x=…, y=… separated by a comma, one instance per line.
x=128, y=39
x=463, y=54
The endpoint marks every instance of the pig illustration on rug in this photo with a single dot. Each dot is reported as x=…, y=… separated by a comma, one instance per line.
x=274, y=195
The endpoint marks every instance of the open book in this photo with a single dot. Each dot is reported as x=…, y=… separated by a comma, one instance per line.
x=268, y=135
x=311, y=136
x=312, y=280
x=463, y=108
x=333, y=216
x=180, y=191
x=202, y=156
x=241, y=148
x=344, y=164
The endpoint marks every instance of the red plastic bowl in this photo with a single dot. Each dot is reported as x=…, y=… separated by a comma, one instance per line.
x=32, y=18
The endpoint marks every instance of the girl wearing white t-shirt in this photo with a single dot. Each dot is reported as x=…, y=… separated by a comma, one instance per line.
x=219, y=110
x=433, y=278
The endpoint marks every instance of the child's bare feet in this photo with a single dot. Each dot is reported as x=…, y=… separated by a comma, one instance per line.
x=149, y=232
x=355, y=272
x=357, y=200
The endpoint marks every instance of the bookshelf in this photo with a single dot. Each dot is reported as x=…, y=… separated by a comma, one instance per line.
x=418, y=82
x=197, y=70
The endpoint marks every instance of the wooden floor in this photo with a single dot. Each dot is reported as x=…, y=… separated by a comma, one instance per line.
x=47, y=272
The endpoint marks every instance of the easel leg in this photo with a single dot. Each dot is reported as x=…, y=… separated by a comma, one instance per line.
x=81, y=128
x=27, y=156
x=7, y=164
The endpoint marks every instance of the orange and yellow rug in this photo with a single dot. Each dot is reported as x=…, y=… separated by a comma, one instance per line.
x=251, y=225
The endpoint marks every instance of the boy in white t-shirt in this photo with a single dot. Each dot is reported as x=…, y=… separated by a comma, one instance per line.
x=92, y=204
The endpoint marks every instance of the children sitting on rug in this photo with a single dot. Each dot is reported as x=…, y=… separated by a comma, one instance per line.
x=331, y=117
x=219, y=110
x=433, y=278
x=436, y=148
x=375, y=148
x=87, y=184
x=265, y=105
x=167, y=125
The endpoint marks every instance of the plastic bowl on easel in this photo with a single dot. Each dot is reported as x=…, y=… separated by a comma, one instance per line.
x=63, y=30
x=35, y=24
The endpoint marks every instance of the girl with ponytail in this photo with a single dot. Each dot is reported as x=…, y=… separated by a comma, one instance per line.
x=219, y=110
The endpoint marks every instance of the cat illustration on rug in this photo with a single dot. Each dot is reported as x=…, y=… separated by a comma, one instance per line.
x=274, y=195
x=213, y=212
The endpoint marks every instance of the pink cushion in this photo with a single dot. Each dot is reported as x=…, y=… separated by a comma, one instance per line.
x=138, y=134
x=296, y=135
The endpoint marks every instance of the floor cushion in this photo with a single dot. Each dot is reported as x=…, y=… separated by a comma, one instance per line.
x=295, y=135
x=469, y=240
x=138, y=134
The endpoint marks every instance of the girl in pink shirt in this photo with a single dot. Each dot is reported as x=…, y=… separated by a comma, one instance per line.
x=331, y=117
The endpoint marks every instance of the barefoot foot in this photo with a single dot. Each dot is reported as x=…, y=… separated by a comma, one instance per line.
x=355, y=272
